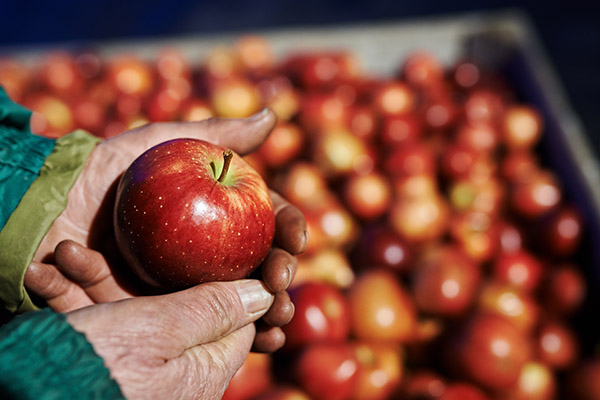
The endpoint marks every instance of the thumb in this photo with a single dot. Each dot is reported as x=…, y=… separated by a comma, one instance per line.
x=211, y=311
x=242, y=135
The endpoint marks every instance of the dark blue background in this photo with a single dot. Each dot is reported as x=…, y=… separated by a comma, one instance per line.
x=570, y=31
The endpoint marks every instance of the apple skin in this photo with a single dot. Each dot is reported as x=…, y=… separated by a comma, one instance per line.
x=177, y=226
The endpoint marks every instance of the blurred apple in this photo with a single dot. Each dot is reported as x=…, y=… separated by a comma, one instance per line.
x=283, y=145
x=401, y=129
x=14, y=78
x=520, y=269
x=328, y=266
x=195, y=109
x=255, y=53
x=51, y=116
x=234, y=98
x=564, y=289
x=445, y=282
x=327, y=371
x=422, y=69
x=536, y=382
x=380, y=370
x=557, y=345
x=322, y=314
x=537, y=197
x=393, y=97
x=130, y=75
x=368, y=196
x=338, y=152
x=522, y=127
x=421, y=219
x=476, y=235
x=58, y=73
x=381, y=246
x=511, y=303
x=381, y=308
x=253, y=378
x=491, y=351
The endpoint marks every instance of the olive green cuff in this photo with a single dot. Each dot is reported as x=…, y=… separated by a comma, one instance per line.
x=30, y=221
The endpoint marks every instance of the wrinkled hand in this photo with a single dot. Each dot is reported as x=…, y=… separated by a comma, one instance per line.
x=68, y=276
x=184, y=345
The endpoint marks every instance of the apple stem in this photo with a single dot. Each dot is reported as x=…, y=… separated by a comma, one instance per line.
x=227, y=156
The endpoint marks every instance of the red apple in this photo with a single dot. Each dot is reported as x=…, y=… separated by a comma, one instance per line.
x=564, y=289
x=380, y=370
x=522, y=127
x=381, y=246
x=253, y=378
x=321, y=314
x=130, y=75
x=195, y=109
x=401, y=129
x=445, y=282
x=328, y=265
x=327, y=371
x=393, y=98
x=189, y=212
x=422, y=68
x=483, y=106
x=421, y=219
x=520, y=269
x=58, y=73
x=466, y=74
x=381, y=308
x=562, y=232
x=234, y=98
x=491, y=351
x=255, y=53
x=368, y=196
x=537, y=197
x=51, y=116
x=536, y=382
x=511, y=303
x=557, y=345
x=283, y=144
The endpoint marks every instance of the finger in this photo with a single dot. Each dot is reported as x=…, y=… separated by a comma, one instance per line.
x=59, y=293
x=213, y=364
x=290, y=226
x=211, y=311
x=90, y=270
x=268, y=339
x=281, y=312
x=278, y=269
x=242, y=135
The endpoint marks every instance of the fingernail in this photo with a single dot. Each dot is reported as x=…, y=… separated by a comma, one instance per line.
x=254, y=296
x=259, y=114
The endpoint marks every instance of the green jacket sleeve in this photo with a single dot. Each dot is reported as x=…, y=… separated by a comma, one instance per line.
x=45, y=197
x=42, y=357
x=22, y=155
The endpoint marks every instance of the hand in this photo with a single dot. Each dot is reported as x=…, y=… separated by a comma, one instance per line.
x=72, y=277
x=184, y=345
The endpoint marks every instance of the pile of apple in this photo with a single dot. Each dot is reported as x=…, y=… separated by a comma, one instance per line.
x=443, y=260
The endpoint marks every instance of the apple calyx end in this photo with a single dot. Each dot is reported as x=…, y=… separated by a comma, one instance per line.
x=227, y=156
